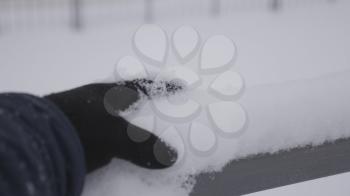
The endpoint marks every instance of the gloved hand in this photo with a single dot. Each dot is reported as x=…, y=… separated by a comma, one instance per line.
x=93, y=110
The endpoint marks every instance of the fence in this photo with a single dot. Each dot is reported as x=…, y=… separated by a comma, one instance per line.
x=18, y=15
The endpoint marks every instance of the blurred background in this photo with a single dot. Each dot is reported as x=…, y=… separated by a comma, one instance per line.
x=24, y=15
x=51, y=45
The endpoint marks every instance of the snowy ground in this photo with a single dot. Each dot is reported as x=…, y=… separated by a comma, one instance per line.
x=296, y=66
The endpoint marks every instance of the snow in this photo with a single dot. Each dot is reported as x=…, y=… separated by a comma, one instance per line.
x=295, y=66
x=296, y=113
x=121, y=178
x=186, y=41
x=153, y=47
x=211, y=59
x=181, y=73
x=173, y=112
x=228, y=117
x=227, y=85
x=124, y=71
x=202, y=137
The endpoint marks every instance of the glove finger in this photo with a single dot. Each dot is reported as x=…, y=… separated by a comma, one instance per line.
x=120, y=97
x=147, y=150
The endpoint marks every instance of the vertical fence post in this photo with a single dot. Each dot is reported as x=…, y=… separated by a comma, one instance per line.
x=76, y=14
x=4, y=7
x=1, y=18
x=275, y=5
x=215, y=7
x=148, y=11
x=1, y=28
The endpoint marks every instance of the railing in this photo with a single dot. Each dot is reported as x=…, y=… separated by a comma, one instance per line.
x=17, y=15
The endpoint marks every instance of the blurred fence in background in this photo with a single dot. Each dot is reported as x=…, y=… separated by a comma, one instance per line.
x=21, y=15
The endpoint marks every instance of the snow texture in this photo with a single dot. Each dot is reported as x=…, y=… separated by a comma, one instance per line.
x=296, y=73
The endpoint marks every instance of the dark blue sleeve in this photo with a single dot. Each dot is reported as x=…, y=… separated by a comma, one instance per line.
x=40, y=153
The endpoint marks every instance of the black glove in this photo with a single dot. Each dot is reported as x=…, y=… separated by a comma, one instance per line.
x=93, y=110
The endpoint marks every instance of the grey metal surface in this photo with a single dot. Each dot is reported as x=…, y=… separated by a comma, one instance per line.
x=269, y=171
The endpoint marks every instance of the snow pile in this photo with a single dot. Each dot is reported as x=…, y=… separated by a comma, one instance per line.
x=320, y=112
x=217, y=119
x=280, y=116
x=120, y=178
